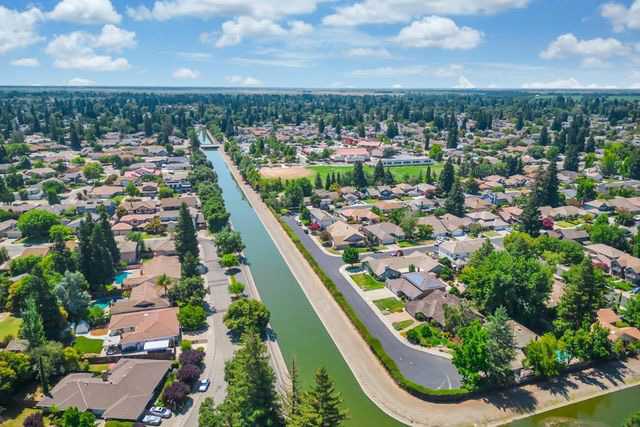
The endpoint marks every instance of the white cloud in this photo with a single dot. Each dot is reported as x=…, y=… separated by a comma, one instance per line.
x=450, y=70
x=368, y=52
x=116, y=39
x=163, y=10
x=289, y=63
x=85, y=12
x=570, y=83
x=17, y=29
x=394, y=11
x=186, y=74
x=595, y=63
x=568, y=45
x=620, y=16
x=233, y=32
x=396, y=86
x=341, y=85
x=464, y=83
x=195, y=56
x=76, y=50
x=635, y=86
x=493, y=86
x=79, y=81
x=25, y=62
x=243, y=81
x=436, y=31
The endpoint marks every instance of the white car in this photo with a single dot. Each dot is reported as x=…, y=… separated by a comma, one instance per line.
x=203, y=384
x=152, y=420
x=160, y=411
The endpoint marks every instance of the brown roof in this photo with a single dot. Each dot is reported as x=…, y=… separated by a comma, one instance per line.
x=124, y=395
x=149, y=325
x=147, y=296
x=432, y=306
x=169, y=265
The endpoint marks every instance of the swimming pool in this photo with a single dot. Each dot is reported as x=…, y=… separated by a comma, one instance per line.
x=121, y=276
x=104, y=303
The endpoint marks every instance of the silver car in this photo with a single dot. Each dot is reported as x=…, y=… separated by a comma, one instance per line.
x=203, y=385
x=160, y=411
x=152, y=420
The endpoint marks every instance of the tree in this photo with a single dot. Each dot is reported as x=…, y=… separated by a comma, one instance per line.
x=228, y=241
x=246, y=315
x=588, y=343
x=542, y=356
x=189, y=290
x=501, y=347
x=229, y=260
x=471, y=358
x=236, y=289
x=321, y=404
x=571, y=159
x=72, y=294
x=32, y=328
x=185, y=237
x=631, y=311
x=34, y=420
x=251, y=398
x=455, y=200
x=72, y=417
x=92, y=170
x=292, y=398
x=584, y=294
x=131, y=189
x=609, y=234
x=188, y=374
x=175, y=395
x=633, y=420
x=586, y=190
x=350, y=255
x=447, y=176
x=189, y=266
x=192, y=317
x=359, y=179
x=109, y=237
x=530, y=218
x=36, y=223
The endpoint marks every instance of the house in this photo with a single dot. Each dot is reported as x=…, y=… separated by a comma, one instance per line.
x=144, y=330
x=9, y=229
x=393, y=267
x=431, y=307
x=128, y=251
x=147, y=296
x=579, y=236
x=122, y=393
x=608, y=319
x=107, y=191
x=487, y=220
x=343, y=235
x=362, y=215
x=456, y=225
x=172, y=203
x=140, y=207
x=121, y=229
x=350, y=155
x=459, y=251
x=324, y=218
x=148, y=189
x=603, y=255
x=161, y=247
x=415, y=285
x=169, y=265
x=439, y=230
x=385, y=232
x=627, y=267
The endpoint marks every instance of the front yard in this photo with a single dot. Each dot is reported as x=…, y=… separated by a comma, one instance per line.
x=367, y=282
x=389, y=305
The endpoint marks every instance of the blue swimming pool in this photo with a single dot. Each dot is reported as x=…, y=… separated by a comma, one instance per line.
x=121, y=276
x=104, y=303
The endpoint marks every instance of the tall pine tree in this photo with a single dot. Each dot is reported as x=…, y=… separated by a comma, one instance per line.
x=185, y=237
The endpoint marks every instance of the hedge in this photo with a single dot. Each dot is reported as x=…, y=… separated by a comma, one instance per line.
x=374, y=344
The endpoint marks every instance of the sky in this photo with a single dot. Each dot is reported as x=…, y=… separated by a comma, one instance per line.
x=555, y=44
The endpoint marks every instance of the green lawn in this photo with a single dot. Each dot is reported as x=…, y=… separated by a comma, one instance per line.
x=88, y=345
x=398, y=171
x=367, y=282
x=98, y=367
x=564, y=224
x=490, y=233
x=411, y=243
x=10, y=325
x=398, y=326
x=114, y=423
x=391, y=304
x=14, y=416
x=375, y=248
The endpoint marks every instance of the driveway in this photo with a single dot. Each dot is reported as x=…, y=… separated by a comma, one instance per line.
x=426, y=369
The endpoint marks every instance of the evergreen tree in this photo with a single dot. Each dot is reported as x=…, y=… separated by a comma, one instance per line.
x=530, y=217
x=318, y=184
x=292, y=399
x=583, y=296
x=590, y=146
x=427, y=177
x=102, y=269
x=322, y=404
x=571, y=159
x=378, y=173
x=634, y=164
x=452, y=138
x=185, y=237
x=61, y=257
x=359, y=179
x=148, y=128
x=189, y=266
x=32, y=328
x=544, y=136
x=447, y=177
x=501, y=347
x=455, y=200
x=85, y=250
x=74, y=139
x=109, y=238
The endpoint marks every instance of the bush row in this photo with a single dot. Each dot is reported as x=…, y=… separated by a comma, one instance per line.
x=374, y=344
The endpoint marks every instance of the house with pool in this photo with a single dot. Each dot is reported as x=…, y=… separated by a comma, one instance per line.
x=146, y=330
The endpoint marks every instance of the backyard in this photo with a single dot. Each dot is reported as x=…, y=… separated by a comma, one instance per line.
x=367, y=282
x=9, y=325
x=88, y=345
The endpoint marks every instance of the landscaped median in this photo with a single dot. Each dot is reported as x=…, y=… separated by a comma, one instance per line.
x=373, y=343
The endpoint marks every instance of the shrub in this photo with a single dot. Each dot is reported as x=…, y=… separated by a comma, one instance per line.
x=185, y=345
x=192, y=317
x=191, y=357
x=36, y=223
x=246, y=314
x=175, y=395
x=188, y=374
x=34, y=420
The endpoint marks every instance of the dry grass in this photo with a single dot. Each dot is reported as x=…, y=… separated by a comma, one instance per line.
x=285, y=173
x=98, y=332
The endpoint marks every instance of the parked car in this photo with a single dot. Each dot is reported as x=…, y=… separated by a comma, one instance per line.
x=203, y=385
x=160, y=411
x=306, y=231
x=152, y=420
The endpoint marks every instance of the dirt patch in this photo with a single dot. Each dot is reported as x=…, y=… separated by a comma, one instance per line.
x=98, y=332
x=285, y=173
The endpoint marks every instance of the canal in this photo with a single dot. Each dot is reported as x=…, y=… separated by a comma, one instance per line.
x=299, y=331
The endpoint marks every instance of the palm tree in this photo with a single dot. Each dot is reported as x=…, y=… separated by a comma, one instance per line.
x=164, y=281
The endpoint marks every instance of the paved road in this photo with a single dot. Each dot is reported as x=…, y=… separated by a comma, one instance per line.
x=422, y=368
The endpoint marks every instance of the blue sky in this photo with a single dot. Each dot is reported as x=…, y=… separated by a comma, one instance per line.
x=322, y=43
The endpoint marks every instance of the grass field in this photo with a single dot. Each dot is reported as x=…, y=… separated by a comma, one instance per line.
x=9, y=325
x=87, y=345
x=15, y=416
x=389, y=304
x=398, y=172
x=403, y=324
x=367, y=282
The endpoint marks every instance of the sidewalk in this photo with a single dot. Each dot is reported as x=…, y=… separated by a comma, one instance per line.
x=492, y=409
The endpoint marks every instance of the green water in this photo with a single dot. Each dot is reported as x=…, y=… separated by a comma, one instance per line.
x=299, y=330
x=608, y=410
